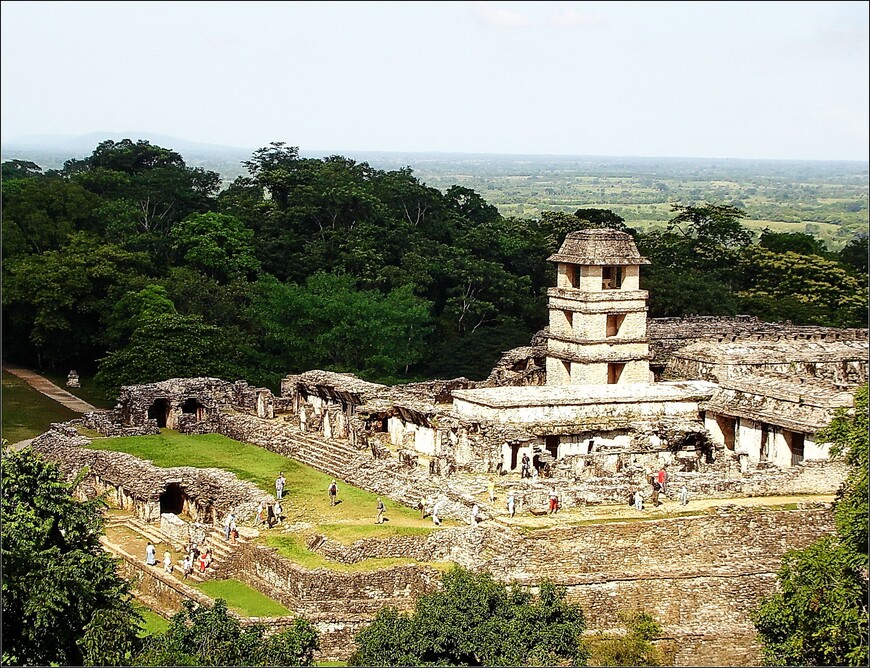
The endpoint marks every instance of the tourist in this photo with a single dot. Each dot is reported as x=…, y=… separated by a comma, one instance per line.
x=167, y=562
x=491, y=491
x=435, y=510
x=663, y=479
x=381, y=510
x=656, y=488
x=234, y=532
x=228, y=526
x=511, y=504
x=535, y=474
x=638, y=500
x=684, y=495
x=261, y=507
x=150, y=554
x=475, y=515
x=333, y=492
x=204, y=560
x=279, y=512
x=187, y=565
x=554, y=502
x=524, y=466
x=279, y=485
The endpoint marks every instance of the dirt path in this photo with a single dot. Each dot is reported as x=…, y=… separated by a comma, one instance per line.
x=49, y=389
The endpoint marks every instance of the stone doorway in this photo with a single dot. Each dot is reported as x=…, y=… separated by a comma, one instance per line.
x=172, y=499
x=159, y=411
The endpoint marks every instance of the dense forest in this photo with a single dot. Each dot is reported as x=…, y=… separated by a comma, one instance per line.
x=133, y=265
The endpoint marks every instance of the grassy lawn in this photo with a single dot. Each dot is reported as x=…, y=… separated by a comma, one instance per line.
x=305, y=492
x=245, y=600
x=152, y=622
x=26, y=412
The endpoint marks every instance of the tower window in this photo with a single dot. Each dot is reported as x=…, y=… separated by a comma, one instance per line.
x=614, y=322
x=611, y=278
x=614, y=371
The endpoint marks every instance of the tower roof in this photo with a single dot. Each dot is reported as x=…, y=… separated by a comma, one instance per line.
x=599, y=247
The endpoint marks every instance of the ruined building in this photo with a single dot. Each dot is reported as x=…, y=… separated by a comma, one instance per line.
x=596, y=401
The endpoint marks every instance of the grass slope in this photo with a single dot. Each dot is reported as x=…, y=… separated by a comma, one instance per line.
x=245, y=600
x=306, y=499
x=26, y=412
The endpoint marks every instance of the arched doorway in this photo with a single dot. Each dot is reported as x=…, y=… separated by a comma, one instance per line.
x=159, y=411
x=172, y=499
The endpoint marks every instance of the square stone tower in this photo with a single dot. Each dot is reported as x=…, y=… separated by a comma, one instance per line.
x=597, y=312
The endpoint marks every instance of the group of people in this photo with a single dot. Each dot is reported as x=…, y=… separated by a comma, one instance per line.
x=659, y=483
x=193, y=557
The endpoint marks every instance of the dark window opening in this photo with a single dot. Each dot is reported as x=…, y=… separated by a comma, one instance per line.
x=569, y=317
x=727, y=426
x=795, y=440
x=571, y=275
x=551, y=443
x=384, y=425
x=159, y=411
x=614, y=322
x=765, y=445
x=515, y=453
x=194, y=407
x=611, y=278
x=172, y=499
x=614, y=371
x=567, y=366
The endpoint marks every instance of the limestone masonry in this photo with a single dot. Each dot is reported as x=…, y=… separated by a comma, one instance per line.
x=597, y=402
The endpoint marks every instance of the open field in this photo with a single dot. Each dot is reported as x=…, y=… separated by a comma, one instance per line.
x=26, y=412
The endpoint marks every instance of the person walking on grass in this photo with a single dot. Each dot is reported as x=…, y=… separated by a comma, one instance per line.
x=381, y=510
x=511, y=504
x=333, y=492
x=279, y=485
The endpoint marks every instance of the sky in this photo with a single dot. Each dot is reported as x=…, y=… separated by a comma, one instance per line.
x=761, y=80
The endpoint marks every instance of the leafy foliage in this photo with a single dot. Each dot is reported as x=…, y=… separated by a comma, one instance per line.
x=449, y=281
x=633, y=648
x=200, y=636
x=63, y=602
x=819, y=616
x=476, y=621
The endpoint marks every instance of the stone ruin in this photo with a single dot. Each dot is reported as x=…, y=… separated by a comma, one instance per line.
x=599, y=399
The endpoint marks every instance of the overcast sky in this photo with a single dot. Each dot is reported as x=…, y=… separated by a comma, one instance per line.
x=778, y=80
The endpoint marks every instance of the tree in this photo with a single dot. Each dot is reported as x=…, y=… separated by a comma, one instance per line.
x=475, y=621
x=169, y=345
x=633, y=648
x=716, y=224
x=201, y=636
x=819, y=615
x=848, y=434
x=217, y=244
x=20, y=169
x=795, y=242
x=855, y=253
x=832, y=296
x=63, y=601
x=55, y=303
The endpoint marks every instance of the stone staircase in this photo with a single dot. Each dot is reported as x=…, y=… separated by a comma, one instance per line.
x=224, y=553
x=333, y=456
